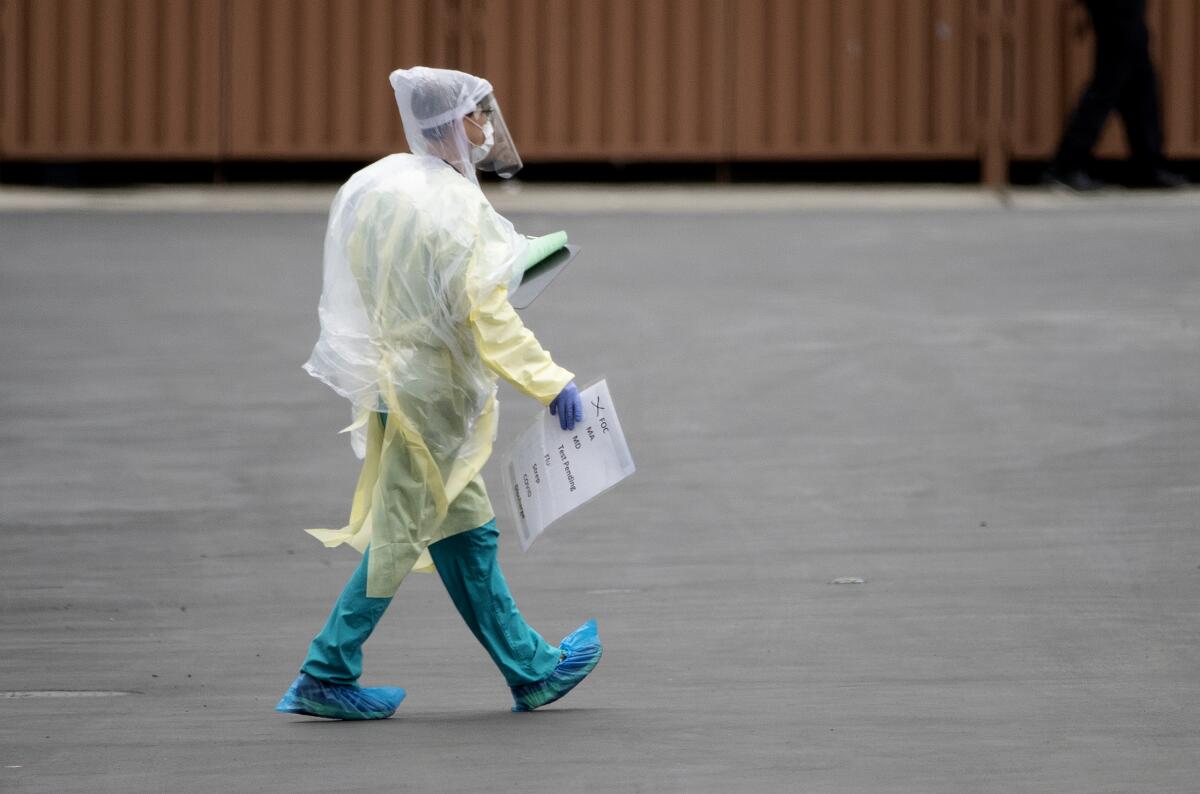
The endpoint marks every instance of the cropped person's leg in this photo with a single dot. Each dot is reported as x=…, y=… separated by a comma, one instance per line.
x=1142, y=116
x=1139, y=104
x=1110, y=72
x=471, y=573
x=1138, y=101
x=335, y=655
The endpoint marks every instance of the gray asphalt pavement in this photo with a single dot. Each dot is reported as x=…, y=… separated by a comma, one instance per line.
x=990, y=415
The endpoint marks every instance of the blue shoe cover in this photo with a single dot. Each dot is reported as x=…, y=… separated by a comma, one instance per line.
x=316, y=698
x=581, y=651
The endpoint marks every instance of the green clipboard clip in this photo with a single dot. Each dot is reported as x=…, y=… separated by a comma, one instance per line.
x=550, y=256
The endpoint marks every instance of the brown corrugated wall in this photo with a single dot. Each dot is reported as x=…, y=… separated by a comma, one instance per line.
x=308, y=79
x=585, y=80
x=620, y=79
x=863, y=79
x=110, y=79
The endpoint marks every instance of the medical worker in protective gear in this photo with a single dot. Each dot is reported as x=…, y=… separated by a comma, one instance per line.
x=415, y=328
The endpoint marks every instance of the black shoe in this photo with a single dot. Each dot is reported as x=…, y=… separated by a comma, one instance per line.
x=1161, y=178
x=1078, y=180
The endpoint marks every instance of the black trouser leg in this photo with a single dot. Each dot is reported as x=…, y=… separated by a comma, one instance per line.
x=1122, y=45
x=1140, y=110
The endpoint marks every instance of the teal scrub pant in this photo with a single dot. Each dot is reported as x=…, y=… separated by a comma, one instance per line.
x=469, y=570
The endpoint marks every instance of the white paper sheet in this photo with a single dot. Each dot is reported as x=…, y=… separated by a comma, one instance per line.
x=551, y=471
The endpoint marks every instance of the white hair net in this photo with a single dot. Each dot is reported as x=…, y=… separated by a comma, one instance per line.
x=434, y=106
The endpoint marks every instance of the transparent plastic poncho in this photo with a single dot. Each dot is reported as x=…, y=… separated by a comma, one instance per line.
x=412, y=245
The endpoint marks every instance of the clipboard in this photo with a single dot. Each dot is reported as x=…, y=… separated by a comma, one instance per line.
x=538, y=277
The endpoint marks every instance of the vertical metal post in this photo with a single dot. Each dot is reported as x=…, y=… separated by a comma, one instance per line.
x=7, y=41
x=994, y=149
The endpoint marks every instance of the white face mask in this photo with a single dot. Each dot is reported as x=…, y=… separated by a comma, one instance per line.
x=481, y=151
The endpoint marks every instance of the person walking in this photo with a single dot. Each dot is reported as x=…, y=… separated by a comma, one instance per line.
x=1123, y=79
x=416, y=326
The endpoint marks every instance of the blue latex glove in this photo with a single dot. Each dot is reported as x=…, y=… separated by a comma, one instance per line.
x=568, y=407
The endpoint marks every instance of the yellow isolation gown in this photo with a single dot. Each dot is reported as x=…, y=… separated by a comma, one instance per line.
x=416, y=323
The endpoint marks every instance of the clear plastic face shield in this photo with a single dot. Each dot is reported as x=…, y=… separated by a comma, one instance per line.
x=454, y=116
x=498, y=153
